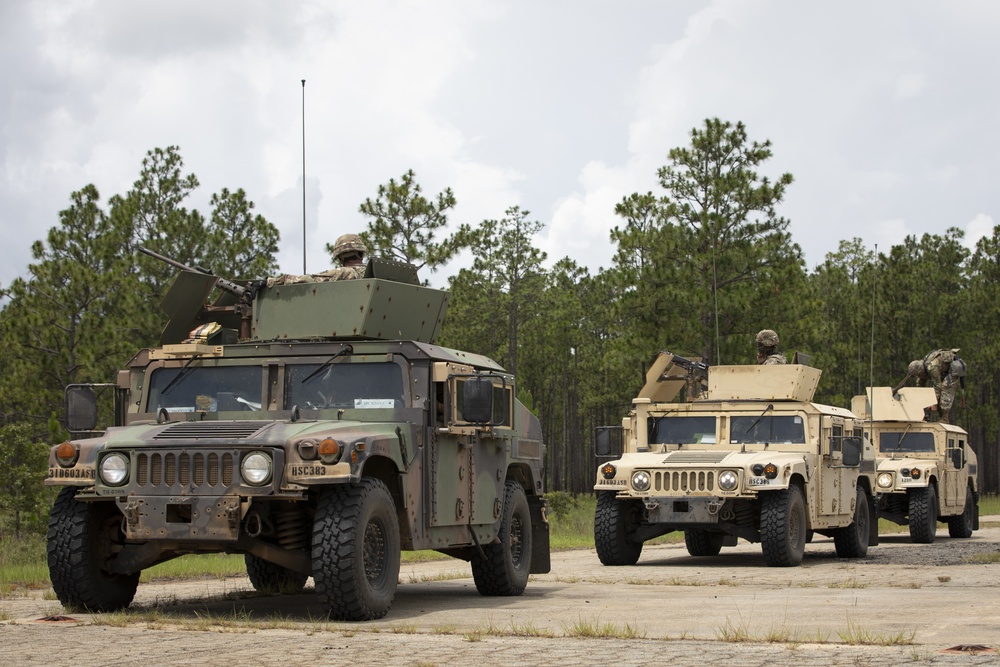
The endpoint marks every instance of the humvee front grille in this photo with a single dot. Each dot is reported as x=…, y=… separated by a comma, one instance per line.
x=197, y=430
x=182, y=470
x=683, y=481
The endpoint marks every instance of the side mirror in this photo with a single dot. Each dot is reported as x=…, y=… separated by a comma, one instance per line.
x=608, y=440
x=81, y=409
x=851, y=452
x=477, y=400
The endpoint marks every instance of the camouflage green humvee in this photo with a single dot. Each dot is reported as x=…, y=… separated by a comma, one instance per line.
x=315, y=428
x=753, y=458
x=926, y=470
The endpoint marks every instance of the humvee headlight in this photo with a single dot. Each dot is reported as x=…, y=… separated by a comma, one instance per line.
x=885, y=480
x=728, y=480
x=329, y=451
x=114, y=469
x=66, y=454
x=915, y=473
x=608, y=471
x=256, y=468
x=640, y=480
x=770, y=471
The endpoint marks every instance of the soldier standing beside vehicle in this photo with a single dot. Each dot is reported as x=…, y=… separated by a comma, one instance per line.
x=767, y=349
x=944, y=370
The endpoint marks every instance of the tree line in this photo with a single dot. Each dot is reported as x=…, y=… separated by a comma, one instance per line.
x=699, y=267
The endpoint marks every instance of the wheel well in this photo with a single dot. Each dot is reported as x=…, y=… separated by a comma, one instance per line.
x=384, y=469
x=522, y=474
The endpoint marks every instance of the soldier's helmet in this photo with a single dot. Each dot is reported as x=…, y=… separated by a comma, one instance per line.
x=347, y=244
x=767, y=338
x=915, y=368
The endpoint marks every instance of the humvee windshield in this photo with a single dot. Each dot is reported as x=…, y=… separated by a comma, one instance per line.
x=786, y=429
x=205, y=388
x=905, y=442
x=677, y=430
x=344, y=385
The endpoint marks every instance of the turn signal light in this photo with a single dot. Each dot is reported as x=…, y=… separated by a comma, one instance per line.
x=67, y=454
x=329, y=451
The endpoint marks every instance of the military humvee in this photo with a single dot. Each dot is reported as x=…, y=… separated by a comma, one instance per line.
x=752, y=458
x=315, y=428
x=926, y=471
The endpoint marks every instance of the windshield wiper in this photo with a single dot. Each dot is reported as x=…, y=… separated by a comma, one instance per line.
x=177, y=378
x=770, y=406
x=347, y=349
x=899, y=443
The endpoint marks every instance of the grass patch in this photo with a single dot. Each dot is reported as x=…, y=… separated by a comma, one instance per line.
x=984, y=558
x=857, y=634
x=989, y=504
x=23, y=564
x=849, y=583
x=584, y=629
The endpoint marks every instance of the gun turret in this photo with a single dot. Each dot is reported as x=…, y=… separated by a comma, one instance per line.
x=239, y=291
x=696, y=371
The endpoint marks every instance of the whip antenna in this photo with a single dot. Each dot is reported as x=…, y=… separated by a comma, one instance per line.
x=303, y=176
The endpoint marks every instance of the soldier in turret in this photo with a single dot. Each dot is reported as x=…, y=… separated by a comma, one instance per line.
x=767, y=349
x=349, y=250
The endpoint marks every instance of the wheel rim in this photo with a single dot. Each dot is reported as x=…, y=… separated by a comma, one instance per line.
x=374, y=552
x=516, y=540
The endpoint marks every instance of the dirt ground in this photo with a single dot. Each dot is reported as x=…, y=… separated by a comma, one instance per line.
x=903, y=604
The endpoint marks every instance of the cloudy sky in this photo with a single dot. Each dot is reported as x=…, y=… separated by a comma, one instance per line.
x=887, y=113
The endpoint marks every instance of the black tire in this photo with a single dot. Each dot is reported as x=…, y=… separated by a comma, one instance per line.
x=702, y=542
x=82, y=537
x=614, y=523
x=963, y=525
x=355, y=550
x=852, y=541
x=783, y=527
x=503, y=567
x=923, y=515
x=268, y=577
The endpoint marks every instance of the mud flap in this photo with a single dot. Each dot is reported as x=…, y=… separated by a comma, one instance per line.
x=872, y=521
x=540, y=558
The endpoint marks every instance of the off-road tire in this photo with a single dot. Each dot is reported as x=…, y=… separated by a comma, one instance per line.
x=614, y=523
x=923, y=514
x=702, y=542
x=783, y=527
x=355, y=550
x=963, y=525
x=80, y=540
x=503, y=567
x=268, y=577
x=852, y=541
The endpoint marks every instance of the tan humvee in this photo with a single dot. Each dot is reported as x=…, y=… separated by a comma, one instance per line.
x=926, y=470
x=751, y=458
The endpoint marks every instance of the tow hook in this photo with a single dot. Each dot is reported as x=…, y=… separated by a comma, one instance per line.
x=651, y=504
x=714, y=507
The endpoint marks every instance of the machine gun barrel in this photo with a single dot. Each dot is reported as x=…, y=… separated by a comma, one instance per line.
x=226, y=285
x=691, y=366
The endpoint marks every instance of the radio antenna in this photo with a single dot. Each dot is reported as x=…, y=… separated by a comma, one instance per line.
x=303, y=176
x=871, y=361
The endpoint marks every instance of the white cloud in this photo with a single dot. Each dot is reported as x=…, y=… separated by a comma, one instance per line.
x=980, y=226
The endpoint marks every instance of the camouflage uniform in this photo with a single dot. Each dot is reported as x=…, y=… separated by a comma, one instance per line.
x=936, y=369
x=349, y=250
x=767, y=354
